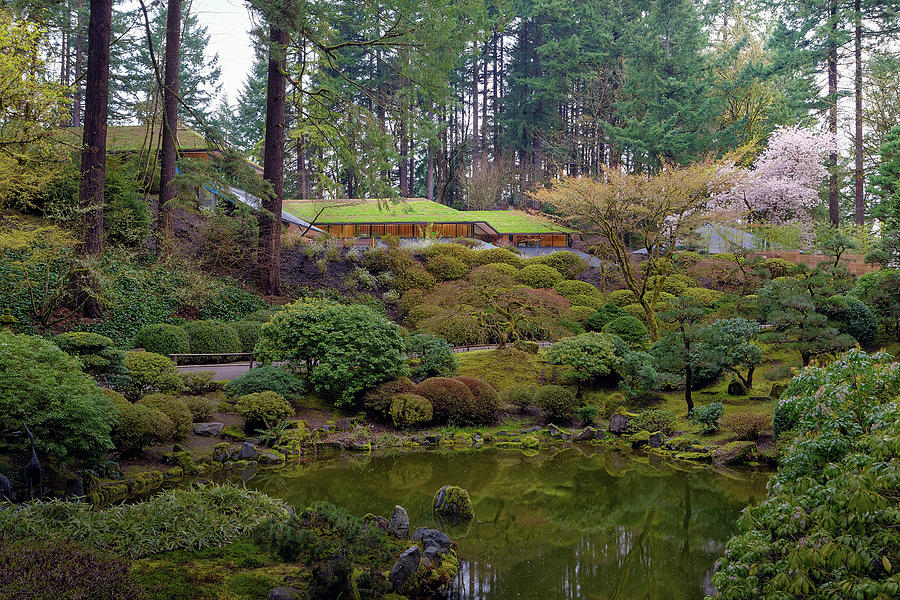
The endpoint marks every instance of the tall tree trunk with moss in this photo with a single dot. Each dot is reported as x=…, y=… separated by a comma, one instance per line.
x=93, y=151
x=273, y=165
x=168, y=152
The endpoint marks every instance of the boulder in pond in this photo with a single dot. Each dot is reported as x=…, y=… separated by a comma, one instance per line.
x=399, y=526
x=405, y=567
x=618, y=423
x=555, y=431
x=284, y=593
x=247, y=451
x=208, y=429
x=436, y=543
x=454, y=502
x=735, y=453
x=588, y=433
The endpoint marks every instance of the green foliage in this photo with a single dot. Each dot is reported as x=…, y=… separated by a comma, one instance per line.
x=52, y=569
x=378, y=400
x=557, y=402
x=730, y=344
x=345, y=349
x=174, y=408
x=248, y=332
x=570, y=288
x=460, y=252
x=151, y=372
x=126, y=217
x=406, y=272
x=589, y=356
x=539, y=276
x=434, y=355
x=652, y=420
x=410, y=410
x=445, y=267
x=621, y=297
x=852, y=317
x=605, y=314
x=676, y=284
x=267, y=378
x=163, y=338
x=196, y=383
x=827, y=529
x=212, y=337
x=452, y=400
x=138, y=425
x=638, y=375
x=44, y=387
x=100, y=357
x=201, y=410
x=580, y=314
x=231, y=303
x=566, y=262
x=708, y=415
x=520, y=395
x=703, y=296
x=483, y=409
x=632, y=331
x=217, y=516
x=262, y=409
x=746, y=426
x=880, y=291
x=499, y=255
x=587, y=414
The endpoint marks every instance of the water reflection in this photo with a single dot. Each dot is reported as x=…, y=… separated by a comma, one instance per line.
x=561, y=524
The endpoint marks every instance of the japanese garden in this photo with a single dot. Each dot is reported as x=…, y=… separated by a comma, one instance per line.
x=458, y=299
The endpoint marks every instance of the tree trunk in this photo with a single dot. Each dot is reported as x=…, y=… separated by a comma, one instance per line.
x=93, y=150
x=429, y=179
x=273, y=165
x=79, y=44
x=858, y=142
x=168, y=151
x=749, y=382
x=688, y=382
x=404, y=141
x=833, y=190
x=475, y=142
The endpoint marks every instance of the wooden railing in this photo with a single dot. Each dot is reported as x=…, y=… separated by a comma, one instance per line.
x=248, y=355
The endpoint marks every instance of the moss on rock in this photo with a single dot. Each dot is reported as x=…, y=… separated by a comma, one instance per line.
x=453, y=501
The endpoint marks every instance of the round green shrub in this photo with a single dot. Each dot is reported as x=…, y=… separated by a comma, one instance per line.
x=459, y=330
x=852, y=317
x=539, y=276
x=379, y=399
x=172, y=407
x=451, y=399
x=636, y=310
x=603, y=315
x=595, y=300
x=81, y=342
x=262, y=409
x=703, y=296
x=632, y=331
x=498, y=255
x=100, y=357
x=248, y=332
x=196, y=383
x=520, y=395
x=410, y=410
x=565, y=261
x=503, y=268
x=268, y=378
x=434, y=355
x=677, y=283
x=568, y=288
x=652, y=420
x=461, y=253
x=151, y=372
x=446, y=268
x=201, y=409
x=557, y=402
x=138, y=425
x=621, y=297
x=163, y=338
x=483, y=410
x=212, y=337
x=580, y=314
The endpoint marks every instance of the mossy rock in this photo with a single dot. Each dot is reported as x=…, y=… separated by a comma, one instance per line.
x=174, y=473
x=463, y=439
x=694, y=456
x=735, y=453
x=183, y=460
x=144, y=481
x=679, y=444
x=531, y=441
x=233, y=432
x=269, y=457
x=639, y=439
x=509, y=444
x=777, y=390
x=736, y=388
x=453, y=502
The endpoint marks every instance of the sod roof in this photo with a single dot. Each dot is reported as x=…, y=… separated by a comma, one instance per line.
x=131, y=138
x=417, y=211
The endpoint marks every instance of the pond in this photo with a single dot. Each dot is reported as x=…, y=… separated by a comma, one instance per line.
x=567, y=523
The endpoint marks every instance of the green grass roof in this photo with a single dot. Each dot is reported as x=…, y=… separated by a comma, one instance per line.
x=418, y=211
x=130, y=138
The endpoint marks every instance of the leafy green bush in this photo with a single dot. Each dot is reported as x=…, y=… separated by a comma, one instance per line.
x=589, y=356
x=410, y=410
x=345, y=349
x=44, y=387
x=196, y=383
x=172, y=407
x=231, y=303
x=248, y=332
x=212, y=337
x=635, y=310
x=595, y=300
x=746, y=426
x=267, y=378
x=565, y=262
x=539, y=276
x=434, y=355
x=557, y=402
x=603, y=315
x=708, y=415
x=151, y=372
x=639, y=375
x=677, y=283
x=703, y=296
x=201, y=409
x=621, y=297
x=569, y=288
x=262, y=409
x=450, y=398
x=460, y=330
x=880, y=291
x=852, y=317
x=446, y=268
x=520, y=395
x=461, y=253
x=502, y=268
x=218, y=515
x=652, y=420
x=379, y=399
x=138, y=425
x=587, y=414
x=498, y=255
x=55, y=568
x=483, y=409
x=98, y=355
x=580, y=314
x=163, y=338
x=632, y=331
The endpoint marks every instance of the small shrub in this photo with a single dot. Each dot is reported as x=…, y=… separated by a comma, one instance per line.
x=98, y=355
x=450, y=399
x=568, y=288
x=460, y=330
x=580, y=314
x=708, y=416
x=636, y=310
x=498, y=255
x=521, y=396
x=151, y=372
x=262, y=409
x=459, y=252
x=484, y=409
x=446, y=268
x=378, y=400
x=212, y=337
x=703, y=296
x=746, y=426
x=268, y=378
x=565, y=262
x=603, y=315
x=201, y=410
x=502, y=268
x=652, y=420
x=677, y=283
x=778, y=267
x=557, y=402
x=174, y=408
x=137, y=426
x=162, y=338
x=632, y=331
x=434, y=354
x=621, y=297
x=595, y=300
x=196, y=383
x=410, y=410
x=539, y=276
x=248, y=332
x=526, y=346
x=587, y=414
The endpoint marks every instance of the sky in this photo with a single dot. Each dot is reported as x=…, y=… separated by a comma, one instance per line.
x=228, y=23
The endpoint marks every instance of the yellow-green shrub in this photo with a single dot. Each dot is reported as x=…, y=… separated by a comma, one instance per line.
x=262, y=409
x=410, y=410
x=151, y=372
x=172, y=407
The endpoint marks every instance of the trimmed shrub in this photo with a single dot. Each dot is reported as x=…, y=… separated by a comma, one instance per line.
x=589, y=356
x=248, y=332
x=138, y=425
x=703, y=296
x=267, y=378
x=587, y=414
x=708, y=415
x=434, y=354
x=451, y=399
x=262, y=409
x=778, y=267
x=410, y=410
x=746, y=426
x=212, y=337
x=151, y=372
x=163, y=338
x=604, y=315
x=446, y=268
x=621, y=297
x=539, y=276
x=81, y=342
x=595, y=300
x=652, y=420
x=632, y=331
x=201, y=409
x=565, y=262
x=484, y=409
x=568, y=288
x=503, y=268
x=54, y=568
x=460, y=330
x=557, y=402
x=196, y=383
x=461, y=253
x=98, y=355
x=498, y=255
x=852, y=317
x=677, y=283
x=580, y=314
x=636, y=311
x=521, y=396
x=378, y=400
x=174, y=408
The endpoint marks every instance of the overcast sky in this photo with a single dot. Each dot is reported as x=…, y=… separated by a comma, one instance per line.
x=228, y=23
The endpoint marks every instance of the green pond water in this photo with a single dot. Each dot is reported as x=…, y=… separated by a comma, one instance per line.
x=561, y=524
